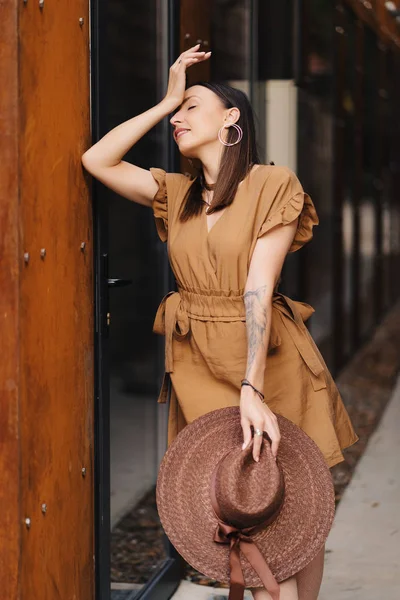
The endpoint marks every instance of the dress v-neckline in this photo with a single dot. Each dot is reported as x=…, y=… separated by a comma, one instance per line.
x=208, y=231
x=204, y=213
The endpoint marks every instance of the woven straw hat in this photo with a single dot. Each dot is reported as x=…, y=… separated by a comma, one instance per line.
x=241, y=522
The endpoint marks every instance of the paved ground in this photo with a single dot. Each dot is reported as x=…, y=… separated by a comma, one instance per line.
x=191, y=591
x=363, y=549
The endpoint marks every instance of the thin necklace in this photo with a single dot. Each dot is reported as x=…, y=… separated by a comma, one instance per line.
x=209, y=195
x=210, y=186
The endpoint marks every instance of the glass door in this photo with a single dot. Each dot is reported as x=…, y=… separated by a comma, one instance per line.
x=131, y=46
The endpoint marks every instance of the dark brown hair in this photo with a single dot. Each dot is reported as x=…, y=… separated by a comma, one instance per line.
x=236, y=161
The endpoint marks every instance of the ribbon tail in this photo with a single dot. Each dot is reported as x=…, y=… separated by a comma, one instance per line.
x=257, y=561
x=159, y=319
x=236, y=589
x=165, y=388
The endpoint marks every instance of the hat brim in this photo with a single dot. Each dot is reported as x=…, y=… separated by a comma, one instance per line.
x=186, y=514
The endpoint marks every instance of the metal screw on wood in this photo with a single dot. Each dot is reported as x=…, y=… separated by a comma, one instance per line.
x=81, y=21
x=83, y=246
x=28, y=523
x=41, y=3
x=83, y=471
x=26, y=257
x=44, y=508
x=187, y=36
x=43, y=252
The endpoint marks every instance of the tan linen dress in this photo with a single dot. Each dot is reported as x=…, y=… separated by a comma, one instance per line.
x=204, y=322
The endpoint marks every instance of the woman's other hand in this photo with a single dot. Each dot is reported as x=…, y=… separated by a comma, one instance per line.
x=254, y=412
x=177, y=74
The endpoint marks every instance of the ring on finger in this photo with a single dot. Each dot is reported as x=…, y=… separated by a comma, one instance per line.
x=258, y=432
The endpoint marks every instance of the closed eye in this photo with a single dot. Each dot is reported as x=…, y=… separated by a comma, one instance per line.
x=190, y=107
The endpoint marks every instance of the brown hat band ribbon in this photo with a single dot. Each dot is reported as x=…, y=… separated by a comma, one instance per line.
x=239, y=539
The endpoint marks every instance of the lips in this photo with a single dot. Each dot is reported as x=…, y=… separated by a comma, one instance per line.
x=179, y=132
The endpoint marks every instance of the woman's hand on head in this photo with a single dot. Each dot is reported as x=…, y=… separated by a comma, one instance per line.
x=254, y=412
x=177, y=74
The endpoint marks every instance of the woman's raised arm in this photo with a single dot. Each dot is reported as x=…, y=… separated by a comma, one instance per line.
x=104, y=159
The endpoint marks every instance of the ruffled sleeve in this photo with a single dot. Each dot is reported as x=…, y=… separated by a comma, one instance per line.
x=282, y=201
x=160, y=203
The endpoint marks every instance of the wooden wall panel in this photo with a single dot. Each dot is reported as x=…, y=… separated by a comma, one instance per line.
x=388, y=24
x=56, y=303
x=375, y=14
x=195, y=25
x=9, y=317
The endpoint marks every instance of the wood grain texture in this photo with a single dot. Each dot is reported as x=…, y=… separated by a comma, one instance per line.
x=378, y=18
x=9, y=305
x=56, y=421
x=195, y=24
x=195, y=21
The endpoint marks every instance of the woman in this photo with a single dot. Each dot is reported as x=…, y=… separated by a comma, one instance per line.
x=227, y=314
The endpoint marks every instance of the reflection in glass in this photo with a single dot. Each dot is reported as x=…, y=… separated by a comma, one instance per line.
x=348, y=168
x=234, y=46
x=315, y=166
x=367, y=207
x=386, y=95
x=348, y=282
x=138, y=546
x=230, y=41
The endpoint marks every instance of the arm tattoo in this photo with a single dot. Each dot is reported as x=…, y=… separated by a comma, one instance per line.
x=256, y=323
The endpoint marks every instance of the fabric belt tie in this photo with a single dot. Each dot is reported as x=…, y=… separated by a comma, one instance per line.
x=174, y=314
x=171, y=319
x=298, y=312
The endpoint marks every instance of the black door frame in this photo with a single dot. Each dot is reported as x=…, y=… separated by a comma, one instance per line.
x=165, y=581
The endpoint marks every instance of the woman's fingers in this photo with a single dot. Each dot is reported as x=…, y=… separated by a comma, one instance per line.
x=272, y=429
x=257, y=442
x=191, y=50
x=254, y=412
x=275, y=443
x=188, y=60
x=191, y=54
x=246, y=432
x=177, y=74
